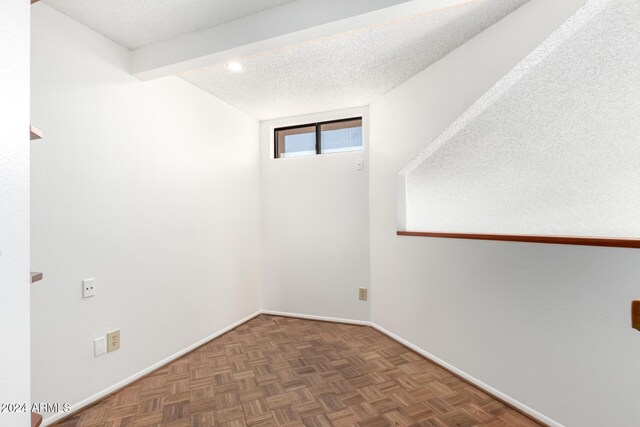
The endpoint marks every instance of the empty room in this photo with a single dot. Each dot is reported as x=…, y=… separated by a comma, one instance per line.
x=320, y=213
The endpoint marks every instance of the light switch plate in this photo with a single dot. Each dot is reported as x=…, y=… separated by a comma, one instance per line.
x=88, y=288
x=99, y=346
x=113, y=340
x=359, y=164
x=362, y=294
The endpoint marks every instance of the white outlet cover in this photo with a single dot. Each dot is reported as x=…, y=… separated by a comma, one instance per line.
x=88, y=288
x=99, y=346
x=359, y=164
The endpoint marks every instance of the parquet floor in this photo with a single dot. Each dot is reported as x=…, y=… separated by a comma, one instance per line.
x=277, y=371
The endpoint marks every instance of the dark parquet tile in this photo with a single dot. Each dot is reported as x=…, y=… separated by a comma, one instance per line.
x=277, y=371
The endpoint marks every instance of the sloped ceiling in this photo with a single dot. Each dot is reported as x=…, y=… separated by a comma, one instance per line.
x=340, y=70
x=137, y=23
x=347, y=69
x=553, y=148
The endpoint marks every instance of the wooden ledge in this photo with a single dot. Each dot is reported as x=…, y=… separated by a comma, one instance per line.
x=36, y=277
x=558, y=240
x=35, y=133
x=36, y=419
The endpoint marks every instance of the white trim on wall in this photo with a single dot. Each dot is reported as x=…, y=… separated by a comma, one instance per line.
x=320, y=318
x=121, y=384
x=476, y=382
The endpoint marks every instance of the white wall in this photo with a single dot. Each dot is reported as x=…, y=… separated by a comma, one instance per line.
x=14, y=209
x=552, y=148
x=150, y=187
x=548, y=325
x=315, y=226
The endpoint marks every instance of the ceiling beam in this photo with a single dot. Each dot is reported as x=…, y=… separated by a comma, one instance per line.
x=271, y=29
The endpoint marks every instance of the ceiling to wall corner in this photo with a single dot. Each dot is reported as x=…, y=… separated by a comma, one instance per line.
x=301, y=56
x=137, y=23
x=348, y=69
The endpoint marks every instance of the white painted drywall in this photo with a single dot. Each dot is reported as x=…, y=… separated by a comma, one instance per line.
x=553, y=148
x=152, y=188
x=547, y=325
x=14, y=210
x=315, y=227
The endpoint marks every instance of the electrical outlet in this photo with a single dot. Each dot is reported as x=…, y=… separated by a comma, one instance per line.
x=362, y=294
x=88, y=288
x=113, y=340
x=99, y=346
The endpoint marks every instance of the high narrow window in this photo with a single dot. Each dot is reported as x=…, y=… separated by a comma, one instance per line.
x=296, y=141
x=319, y=138
x=344, y=135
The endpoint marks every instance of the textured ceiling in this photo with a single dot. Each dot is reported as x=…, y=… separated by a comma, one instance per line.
x=136, y=23
x=347, y=69
x=553, y=148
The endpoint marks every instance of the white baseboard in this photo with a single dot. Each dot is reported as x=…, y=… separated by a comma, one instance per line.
x=312, y=317
x=482, y=386
x=146, y=371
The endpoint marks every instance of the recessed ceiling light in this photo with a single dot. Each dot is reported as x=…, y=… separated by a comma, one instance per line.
x=235, y=66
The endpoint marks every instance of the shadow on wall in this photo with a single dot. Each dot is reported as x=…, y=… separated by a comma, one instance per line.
x=551, y=149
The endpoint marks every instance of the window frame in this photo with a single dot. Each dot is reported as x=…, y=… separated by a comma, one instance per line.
x=318, y=126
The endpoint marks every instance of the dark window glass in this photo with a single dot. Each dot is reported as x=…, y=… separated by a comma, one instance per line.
x=319, y=138
x=341, y=136
x=298, y=141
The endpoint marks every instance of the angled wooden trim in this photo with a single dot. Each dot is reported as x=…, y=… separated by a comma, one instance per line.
x=36, y=277
x=530, y=238
x=36, y=419
x=34, y=1
x=635, y=315
x=35, y=133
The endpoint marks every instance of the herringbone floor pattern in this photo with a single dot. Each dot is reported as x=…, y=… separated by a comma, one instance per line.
x=277, y=371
